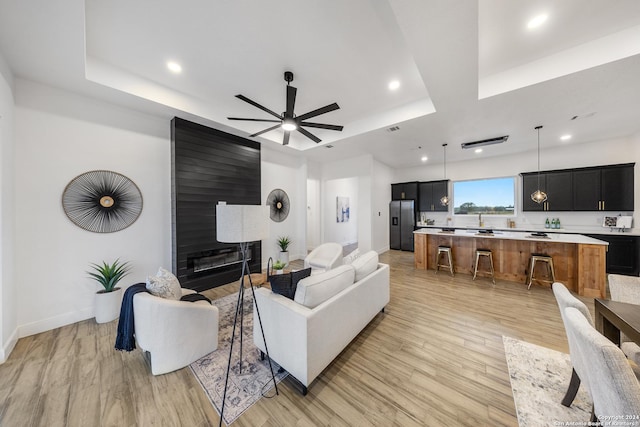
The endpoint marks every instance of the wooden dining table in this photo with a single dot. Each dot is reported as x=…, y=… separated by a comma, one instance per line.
x=613, y=317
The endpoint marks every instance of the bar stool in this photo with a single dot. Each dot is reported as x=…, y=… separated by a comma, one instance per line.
x=484, y=253
x=444, y=250
x=535, y=258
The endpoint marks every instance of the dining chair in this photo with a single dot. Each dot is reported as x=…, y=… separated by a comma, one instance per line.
x=579, y=372
x=615, y=390
x=626, y=289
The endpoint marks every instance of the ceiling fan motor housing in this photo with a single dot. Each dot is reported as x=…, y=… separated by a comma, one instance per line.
x=288, y=76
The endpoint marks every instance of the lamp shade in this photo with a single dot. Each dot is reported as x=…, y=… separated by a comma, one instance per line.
x=241, y=223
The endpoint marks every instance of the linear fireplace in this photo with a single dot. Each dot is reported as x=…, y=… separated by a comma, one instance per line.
x=208, y=166
x=205, y=262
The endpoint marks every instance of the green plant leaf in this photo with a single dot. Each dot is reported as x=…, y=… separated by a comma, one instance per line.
x=108, y=275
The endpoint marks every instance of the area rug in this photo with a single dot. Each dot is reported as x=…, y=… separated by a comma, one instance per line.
x=247, y=387
x=539, y=380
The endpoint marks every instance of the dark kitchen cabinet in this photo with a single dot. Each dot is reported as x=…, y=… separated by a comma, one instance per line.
x=557, y=185
x=623, y=253
x=404, y=191
x=429, y=195
x=599, y=188
x=608, y=188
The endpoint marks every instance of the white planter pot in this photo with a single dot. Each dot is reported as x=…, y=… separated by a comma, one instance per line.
x=283, y=257
x=107, y=305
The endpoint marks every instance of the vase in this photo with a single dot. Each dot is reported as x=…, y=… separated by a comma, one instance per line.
x=283, y=257
x=107, y=305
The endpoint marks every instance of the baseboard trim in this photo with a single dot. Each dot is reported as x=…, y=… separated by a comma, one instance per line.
x=8, y=347
x=55, y=322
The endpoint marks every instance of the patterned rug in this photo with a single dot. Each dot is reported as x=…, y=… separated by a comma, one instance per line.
x=539, y=380
x=244, y=388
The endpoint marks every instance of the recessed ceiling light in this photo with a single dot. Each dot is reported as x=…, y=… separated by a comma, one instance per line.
x=424, y=158
x=478, y=150
x=565, y=137
x=394, y=84
x=174, y=67
x=537, y=21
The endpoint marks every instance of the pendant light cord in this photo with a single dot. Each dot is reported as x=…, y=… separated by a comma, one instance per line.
x=538, y=129
x=444, y=147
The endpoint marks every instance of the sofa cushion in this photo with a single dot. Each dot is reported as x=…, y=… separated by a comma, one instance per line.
x=365, y=264
x=316, y=289
x=164, y=285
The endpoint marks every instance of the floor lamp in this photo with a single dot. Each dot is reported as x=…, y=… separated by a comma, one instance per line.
x=242, y=224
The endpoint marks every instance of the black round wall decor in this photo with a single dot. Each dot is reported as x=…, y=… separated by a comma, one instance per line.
x=102, y=201
x=278, y=202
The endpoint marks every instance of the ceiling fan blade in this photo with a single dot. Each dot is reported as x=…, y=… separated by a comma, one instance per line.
x=285, y=141
x=321, y=126
x=255, y=104
x=309, y=135
x=317, y=112
x=254, y=120
x=291, y=100
x=265, y=131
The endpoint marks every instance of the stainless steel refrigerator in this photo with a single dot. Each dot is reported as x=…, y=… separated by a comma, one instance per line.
x=402, y=221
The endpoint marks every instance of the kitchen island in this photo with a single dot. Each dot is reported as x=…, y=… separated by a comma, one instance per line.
x=579, y=261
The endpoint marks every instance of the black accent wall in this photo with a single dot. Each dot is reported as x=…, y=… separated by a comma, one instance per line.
x=207, y=166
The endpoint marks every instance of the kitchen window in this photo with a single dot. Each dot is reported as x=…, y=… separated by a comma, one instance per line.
x=492, y=196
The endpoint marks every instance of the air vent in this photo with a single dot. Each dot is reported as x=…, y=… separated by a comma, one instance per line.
x=490, y=141
x=329, y=146
x=393, y=128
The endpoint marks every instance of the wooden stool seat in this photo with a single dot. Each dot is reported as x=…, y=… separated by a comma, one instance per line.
x=548, y=261
x=444, y=250
x=484, y=253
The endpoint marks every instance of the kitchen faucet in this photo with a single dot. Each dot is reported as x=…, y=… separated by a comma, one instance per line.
x=480, y=224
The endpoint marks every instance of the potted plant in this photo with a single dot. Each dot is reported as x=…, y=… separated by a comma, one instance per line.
x=108, y=299
x=278, y=266
x=283, y=243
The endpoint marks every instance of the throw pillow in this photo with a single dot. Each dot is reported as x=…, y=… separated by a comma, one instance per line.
x=286, y=284
x=351, y=257
x=164, y=285
x=281, y=284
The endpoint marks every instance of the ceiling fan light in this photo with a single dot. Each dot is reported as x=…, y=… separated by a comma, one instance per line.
x=289, y=124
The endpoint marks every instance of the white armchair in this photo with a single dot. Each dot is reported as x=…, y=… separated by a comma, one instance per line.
x=626, y=289
x=325, y=257
x=175, y=333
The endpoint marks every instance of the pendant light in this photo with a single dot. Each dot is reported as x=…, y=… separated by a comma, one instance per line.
x=444, y=200
x=538, y=196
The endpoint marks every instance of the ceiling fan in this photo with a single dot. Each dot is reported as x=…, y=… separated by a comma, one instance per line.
x=288, y=121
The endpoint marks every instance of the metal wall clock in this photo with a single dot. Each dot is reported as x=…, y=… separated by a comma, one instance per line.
x=102, y=201
x=278, y=201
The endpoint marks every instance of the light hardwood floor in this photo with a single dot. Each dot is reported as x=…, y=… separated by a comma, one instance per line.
x=435, y=357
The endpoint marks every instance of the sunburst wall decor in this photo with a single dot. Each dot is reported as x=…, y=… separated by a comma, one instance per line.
x=102, y=201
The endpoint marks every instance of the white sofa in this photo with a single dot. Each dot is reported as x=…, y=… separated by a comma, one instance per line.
x=329, y=310
x=175, y=333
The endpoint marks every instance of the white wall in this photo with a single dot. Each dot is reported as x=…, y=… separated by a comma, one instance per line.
x=353, y=178
x=382, y=179
x=8, y=313
x=60, y=135
x=340, y=232
x=288, y=173
x=624, y=150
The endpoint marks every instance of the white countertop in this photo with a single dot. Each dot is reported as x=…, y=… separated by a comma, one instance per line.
x=569, y=230
x=555, y=237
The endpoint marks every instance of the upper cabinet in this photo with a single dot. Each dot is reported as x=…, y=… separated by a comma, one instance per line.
x=602, y=188
x=404, y=191
x=429, y=195
x=557, y=185
x=608, y=188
